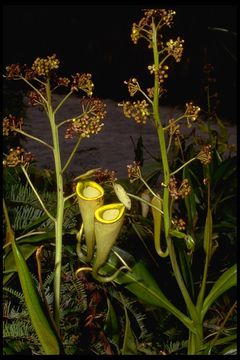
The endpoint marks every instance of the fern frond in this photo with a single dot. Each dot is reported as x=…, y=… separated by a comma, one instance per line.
x=49, y=279
x=135, y=314
x=19, y=295
x=173, y=347
x=19, y=330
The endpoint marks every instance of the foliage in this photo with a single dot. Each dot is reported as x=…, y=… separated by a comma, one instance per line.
x=164, y=281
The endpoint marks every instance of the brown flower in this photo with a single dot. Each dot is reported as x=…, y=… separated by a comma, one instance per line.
x=10, y=124
x=134, y=171
x=103, y=176
x=17, y=156
x=82, y=82
x=183, y=190
x=191, y=113
x=175, y=48
x=138, y=110
x=89, y=123
x=205, y=155
x=43, y=67
x=13, y=71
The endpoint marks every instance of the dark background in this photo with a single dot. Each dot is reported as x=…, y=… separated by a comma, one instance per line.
x=96, y=39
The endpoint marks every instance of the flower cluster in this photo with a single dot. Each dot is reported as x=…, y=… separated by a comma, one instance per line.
x=89, y=123
x=63, y=81
x=35, y=98
x=205, y=155
x=84, y=127
x=17, y=157
x=10, y=124
x=42, y=67
x=103, y=176
x=138, y=110
x=173, y=128
x=175, y=48
x=82, y=82
x=143, y=28
x=133, y=86
x=183, y=190
x=134, y=172
x=13, y=71
x=191, y=113
x=179, y=224
x=161, y=72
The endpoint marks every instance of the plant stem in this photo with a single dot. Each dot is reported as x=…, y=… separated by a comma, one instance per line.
x=144, y=201
x=196, y=339
x=33, y=137
x=148, y=187
x=37, y=195
x=160, y=132
x=72, y=154
x=181, y=167
x=60, y=204
x=62, y=102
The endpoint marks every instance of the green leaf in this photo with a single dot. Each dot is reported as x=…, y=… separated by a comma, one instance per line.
x=141, y=283
x=207, y=243
x=190, y=202
x=111, y=327
x=9, y=261
x=129, y=341
x=230, y=350
x=42, y=325
x=227, y=280
x=28, y=246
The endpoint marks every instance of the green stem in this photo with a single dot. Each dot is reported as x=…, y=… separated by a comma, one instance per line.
x=71, y=155
x=145, y=95
x=160, y=132
x=35, y=89
x=166, y=208
x=65, y=122
x=69, y=196
x=144, y=201
x=37, y=195
x=60, y=204
x=148, y=187
x=181, y=167
x=176, y=120
x=62, y=102
x=33, y=137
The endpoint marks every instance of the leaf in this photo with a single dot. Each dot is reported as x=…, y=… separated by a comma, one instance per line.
x=227, y=280
x=190, y=202
x=140, y=282
x=9, y=262
x=230, y=350
x=207, y=242
x=129, y=341
x=86, y=175
x=111, y=327
x=47, y=336
x=28, y=246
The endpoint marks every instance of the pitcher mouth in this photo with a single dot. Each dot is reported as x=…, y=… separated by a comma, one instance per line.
x=89, y=190
x=109, y=214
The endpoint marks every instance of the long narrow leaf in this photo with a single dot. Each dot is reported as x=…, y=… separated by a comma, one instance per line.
x=227, y=280
x=140, y=282
x=40, y=322
x=207, y=243
x=129, y=341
